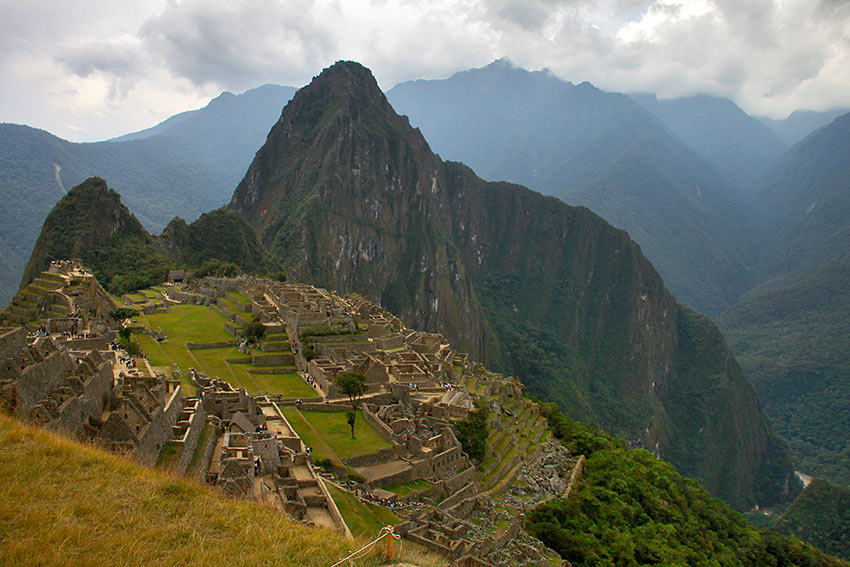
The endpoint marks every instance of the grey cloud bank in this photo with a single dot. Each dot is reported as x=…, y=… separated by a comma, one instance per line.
x=96, y=69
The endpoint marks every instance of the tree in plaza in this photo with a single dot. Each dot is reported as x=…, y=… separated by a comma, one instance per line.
x=353, y=385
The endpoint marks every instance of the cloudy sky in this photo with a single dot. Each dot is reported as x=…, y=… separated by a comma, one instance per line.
x=92, y=69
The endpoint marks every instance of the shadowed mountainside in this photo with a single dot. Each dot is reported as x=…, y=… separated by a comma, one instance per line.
x=601, y=150
x=347, y=195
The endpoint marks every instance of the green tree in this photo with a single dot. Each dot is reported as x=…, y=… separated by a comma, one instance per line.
x=123, y=313
x=350, y=417
x=472, y=431
x=353, y=385
x=255, y=330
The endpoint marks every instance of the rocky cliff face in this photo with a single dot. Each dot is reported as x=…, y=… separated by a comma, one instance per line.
x=349, y=196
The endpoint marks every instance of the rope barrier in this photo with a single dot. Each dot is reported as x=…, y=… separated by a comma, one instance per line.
x=386, y=532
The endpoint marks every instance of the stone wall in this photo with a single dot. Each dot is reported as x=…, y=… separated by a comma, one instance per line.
x=12, y=340
x=287, y=359
x=383, y=429
x=201, y=346
x=188, y=297
x=333, y=510
x=74, y=414
x=158, y=432
x=189, y=441
x=62, y=324
x=206, y=459
x=448, y=461
x=92, y=343
x=40, y=379
x=383, y=455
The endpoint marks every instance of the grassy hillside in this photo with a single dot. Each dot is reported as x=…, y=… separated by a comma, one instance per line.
x=66, y=504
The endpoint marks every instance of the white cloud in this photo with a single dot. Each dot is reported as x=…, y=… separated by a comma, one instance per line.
x=98, y=68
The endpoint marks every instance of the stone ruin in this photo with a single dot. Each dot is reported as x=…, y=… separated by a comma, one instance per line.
x=259, y=456
x=76, y=392
x=416, y=390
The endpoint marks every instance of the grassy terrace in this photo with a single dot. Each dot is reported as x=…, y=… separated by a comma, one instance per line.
x=330, y=436
x=62, y=503
x=190, y=323
x=408, y=487
x=200, y=324
x=363, y=520
x=241, y=297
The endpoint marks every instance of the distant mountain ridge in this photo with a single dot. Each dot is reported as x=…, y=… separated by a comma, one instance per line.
x=349, y=196
x=183, y=167
x=791, y=331
x=740, y=147
x=801, y=123
x=601, y=150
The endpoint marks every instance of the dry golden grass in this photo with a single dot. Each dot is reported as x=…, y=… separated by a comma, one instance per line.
x=63, y=503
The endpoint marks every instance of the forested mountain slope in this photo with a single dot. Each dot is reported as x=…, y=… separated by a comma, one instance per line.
x=791, y=332
x=597, y=149
x=740, y=147
x=349, y=196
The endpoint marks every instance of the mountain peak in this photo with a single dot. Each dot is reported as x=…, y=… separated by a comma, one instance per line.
x=344, y=78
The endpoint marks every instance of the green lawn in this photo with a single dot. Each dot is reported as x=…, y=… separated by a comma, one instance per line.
x=166, y=353
x=321, y=449
x=408, y=487
x=241, y=297
x=213, y=363
x=334, y=432
x=190, y=323
x=289, y=385
x=182, y=324
x=363, y=520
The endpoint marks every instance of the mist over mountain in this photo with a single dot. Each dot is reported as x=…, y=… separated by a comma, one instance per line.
x=740, y=147
x=791, y=331
x=801, y=123
x=597, y=149
x=804, y=206
x=349, y=196
x=183, y=167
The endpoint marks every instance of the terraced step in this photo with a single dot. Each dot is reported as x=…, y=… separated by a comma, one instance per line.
x=29, y=312
x=508, y=463
x=31, y=294
x=524, y=413
x=53, y=276
x=496, y=456
x=37, y=291
x=50, y=284
x=494, y=440
x=508, y=478
x=15, y=318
